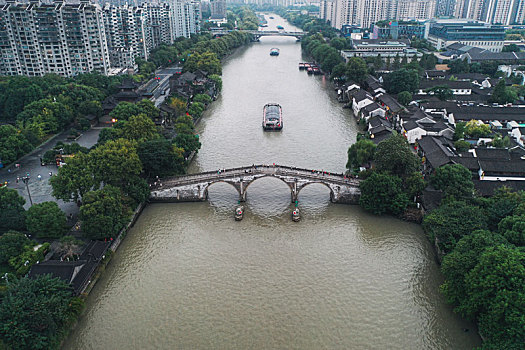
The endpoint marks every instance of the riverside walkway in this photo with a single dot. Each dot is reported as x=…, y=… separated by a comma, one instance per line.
x=194, y=187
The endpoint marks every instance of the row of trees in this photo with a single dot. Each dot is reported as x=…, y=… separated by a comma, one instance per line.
x=201, y=51
x=109, y=180
x=37, y=107
x=482, y=241
x=324, y=52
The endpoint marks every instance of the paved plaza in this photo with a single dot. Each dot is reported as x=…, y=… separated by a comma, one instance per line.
x=30, y=164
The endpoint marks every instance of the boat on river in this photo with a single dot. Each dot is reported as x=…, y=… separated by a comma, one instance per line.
x=274, y=51
x=272, y=117
x=280, y=27
x=271, y=17
x=296, y=214
x=239, y=213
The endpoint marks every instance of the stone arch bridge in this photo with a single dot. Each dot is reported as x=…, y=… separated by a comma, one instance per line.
x=194, y=187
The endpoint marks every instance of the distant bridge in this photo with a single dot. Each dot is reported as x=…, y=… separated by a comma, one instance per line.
x=194, y=187
x=257, y=34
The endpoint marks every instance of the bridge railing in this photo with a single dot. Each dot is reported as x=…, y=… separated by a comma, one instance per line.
x=220, y=174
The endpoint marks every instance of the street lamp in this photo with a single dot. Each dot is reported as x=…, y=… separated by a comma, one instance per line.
x=26, y=180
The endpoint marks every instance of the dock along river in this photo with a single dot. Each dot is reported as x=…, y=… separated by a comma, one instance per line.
x=188, y=276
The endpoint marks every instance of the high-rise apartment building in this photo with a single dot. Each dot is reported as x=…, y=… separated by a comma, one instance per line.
x=218, y=8
x=60, y=38
x=364, y=13
x=72, y=38
x=492, y=11
x=445, y=8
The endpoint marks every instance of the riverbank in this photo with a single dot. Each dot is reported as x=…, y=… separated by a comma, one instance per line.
x=191, y=272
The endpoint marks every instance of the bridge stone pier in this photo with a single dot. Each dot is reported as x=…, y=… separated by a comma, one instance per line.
x=194, y=187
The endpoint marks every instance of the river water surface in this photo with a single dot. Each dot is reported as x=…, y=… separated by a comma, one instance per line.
x=188, y=276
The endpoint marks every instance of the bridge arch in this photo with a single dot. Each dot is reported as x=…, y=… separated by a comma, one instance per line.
x=207, y=186
x=248, y=183
x=332, y=194
x=251, y=181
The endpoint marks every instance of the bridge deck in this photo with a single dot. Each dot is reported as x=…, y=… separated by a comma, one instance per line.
x=316, y=175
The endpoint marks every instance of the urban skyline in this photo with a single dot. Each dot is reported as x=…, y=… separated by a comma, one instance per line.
x=66, y=38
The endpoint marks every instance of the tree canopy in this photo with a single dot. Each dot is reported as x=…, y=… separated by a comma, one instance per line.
x=454, y=180
x=394, y=156
x=12, y=243
x=360, y=153
x=103, y=213
x=34, y=311
x=12, y=212
x=402, y=80
x=382, y=194
x=46, y=220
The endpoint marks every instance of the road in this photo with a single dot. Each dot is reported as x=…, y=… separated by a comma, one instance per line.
x=30, y=164
x=157, y=86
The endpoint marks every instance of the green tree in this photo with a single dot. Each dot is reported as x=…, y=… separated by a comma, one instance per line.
x=34, y=312
x=102, y=213
x=476, y=128
x=148, y=108
x=496, y=296
x=513, y=229
x=202, y=98
x=339, y=71
x=12, y=243
x=499, y=142
x=503, y=94
x=12, y=212
x=414, y=184
x=115, y=161
x=196, y=109
x=161, y=158
x=382, y=193
x=13, y=144
x=356, y=70
x=216, y=80
x=462, y=260
x=74, y=179
x=206, y=61
x=502, y=204
x=454, y=180
x=178, y=105
x=124, y=110
x=402, y=80
x=23, y=262
x=338, y=43
x=188, y=142
x=462, y=145
x=360, y=153
x=137, y=189
x=404, y=97
x=46, y=220
x=447, y=224
x=140, y=128
x=459, y=132
x=394, y=156
x=459, y=66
